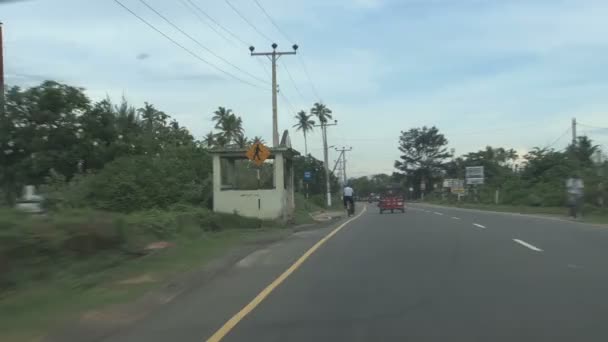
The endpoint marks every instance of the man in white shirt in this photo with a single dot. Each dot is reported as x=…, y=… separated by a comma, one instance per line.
x=348, y=196
x=575, y=187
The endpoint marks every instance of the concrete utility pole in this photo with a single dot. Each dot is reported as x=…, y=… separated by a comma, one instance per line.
x=573, y=131
x=2, y=104
x=326, y=158
x=343, y=151
x=274, y=57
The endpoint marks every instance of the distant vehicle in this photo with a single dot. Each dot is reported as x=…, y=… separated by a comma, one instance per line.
x=392, y=199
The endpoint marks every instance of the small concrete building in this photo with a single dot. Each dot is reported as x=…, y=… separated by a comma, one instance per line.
x=265, y=192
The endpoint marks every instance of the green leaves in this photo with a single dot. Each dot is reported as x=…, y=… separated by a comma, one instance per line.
x=55, y=126
x=322, y=112
x=230, y=127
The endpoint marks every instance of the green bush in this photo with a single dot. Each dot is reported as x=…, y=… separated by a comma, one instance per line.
x=136, y=183
x=35, y=247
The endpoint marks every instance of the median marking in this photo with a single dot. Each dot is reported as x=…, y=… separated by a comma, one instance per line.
x=479, y=225
x=232, y=322
x=525, y=244
x=455, y=218
x=436, y=213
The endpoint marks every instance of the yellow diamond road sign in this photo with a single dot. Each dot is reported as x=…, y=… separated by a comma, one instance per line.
x=258, y=153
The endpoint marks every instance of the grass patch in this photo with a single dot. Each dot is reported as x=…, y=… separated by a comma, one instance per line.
x=30, y=312
x=56, y=267
x=315, y=203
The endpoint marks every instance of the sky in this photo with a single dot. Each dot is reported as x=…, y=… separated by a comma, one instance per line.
x=504, y=73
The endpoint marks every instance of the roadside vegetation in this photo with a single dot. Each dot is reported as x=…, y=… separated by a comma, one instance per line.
x=534, y=182
x=118, y=181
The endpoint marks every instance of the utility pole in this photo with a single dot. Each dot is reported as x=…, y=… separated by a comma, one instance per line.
x=274, y=57
x=326, y=158
x=343, y=155
x=2, y=104
x=573, y=132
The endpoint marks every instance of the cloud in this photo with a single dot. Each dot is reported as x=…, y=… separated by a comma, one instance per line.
x=25, y=80
x=513, y=71
x=142, y=56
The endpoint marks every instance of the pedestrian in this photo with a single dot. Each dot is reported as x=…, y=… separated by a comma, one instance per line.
x=574, y=189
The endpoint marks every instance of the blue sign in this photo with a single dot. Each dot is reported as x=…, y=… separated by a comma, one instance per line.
x=307, y=175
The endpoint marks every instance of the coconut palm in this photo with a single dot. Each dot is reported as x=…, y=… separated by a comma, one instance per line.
x=304, y=124
x=231, y=127
x=257, y=140
x=241, y=141
x=220, y=115
x=209, y=140
x=220, y=140
x=322, y=112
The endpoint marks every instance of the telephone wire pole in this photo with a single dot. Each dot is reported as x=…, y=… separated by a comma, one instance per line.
x=274, y=57
x=2, y=99
x=324, y=126
x=343, y=151
x=573, y=132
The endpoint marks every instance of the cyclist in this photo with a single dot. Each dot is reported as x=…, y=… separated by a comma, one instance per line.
x=348, y=197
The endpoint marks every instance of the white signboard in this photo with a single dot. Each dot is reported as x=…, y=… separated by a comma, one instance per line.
x=474, y=172
x=474, y=181
x=474, y=175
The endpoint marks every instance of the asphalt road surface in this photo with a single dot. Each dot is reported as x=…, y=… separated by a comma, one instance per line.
x=431, y=274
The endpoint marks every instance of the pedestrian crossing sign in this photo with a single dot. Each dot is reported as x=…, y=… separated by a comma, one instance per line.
x=258, y=153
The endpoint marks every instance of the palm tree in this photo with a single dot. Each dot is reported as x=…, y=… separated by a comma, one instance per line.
x=305, y=125
x=220, y=140
x=241, y=141
x=220, y=115
x=231, y=127
x=321, y=111
x=152, y=117
x=209, y=140
x=257, y=140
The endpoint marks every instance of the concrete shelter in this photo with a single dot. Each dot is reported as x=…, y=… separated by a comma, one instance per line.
x=234, y=183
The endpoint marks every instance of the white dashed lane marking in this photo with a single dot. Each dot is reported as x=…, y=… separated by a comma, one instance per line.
x=527, y=245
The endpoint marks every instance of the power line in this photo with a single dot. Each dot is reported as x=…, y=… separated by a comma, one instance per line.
x=293, y=82
x=558, y=139
x=591, y=126
x=282, y=32
x=272, y=21
x=293, y=108
x=263, y=67
x=283, y=96
x=193, y=54
x=247, y=20
x=200, y=18
x=312, y=85
x=199, y=43
x=198, y=8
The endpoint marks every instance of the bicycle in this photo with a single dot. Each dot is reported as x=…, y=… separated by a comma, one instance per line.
x=350, y=208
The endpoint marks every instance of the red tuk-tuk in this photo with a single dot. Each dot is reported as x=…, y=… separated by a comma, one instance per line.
x=392, y=199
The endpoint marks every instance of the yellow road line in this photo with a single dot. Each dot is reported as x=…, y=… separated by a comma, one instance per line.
x=232, y=322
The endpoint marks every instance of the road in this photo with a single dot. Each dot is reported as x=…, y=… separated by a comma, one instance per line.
x=431, y=274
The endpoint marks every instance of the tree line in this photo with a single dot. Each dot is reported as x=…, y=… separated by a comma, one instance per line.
x=114, y=155
x=536, y=178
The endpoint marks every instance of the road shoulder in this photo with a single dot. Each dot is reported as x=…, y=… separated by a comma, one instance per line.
x=234, y=265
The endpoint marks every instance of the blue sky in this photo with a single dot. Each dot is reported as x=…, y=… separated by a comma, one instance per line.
x=508, y=73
